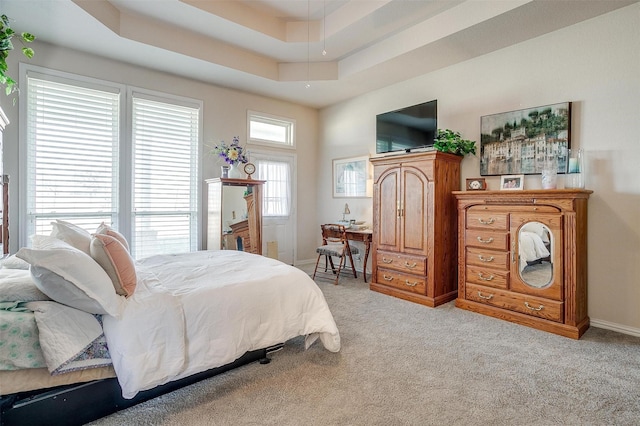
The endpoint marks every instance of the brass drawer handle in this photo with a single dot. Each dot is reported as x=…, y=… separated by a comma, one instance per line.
x=483, y=278
x=487, y=241
x=481, y=296
x=411, y=284
x=387, y=261
x=486, y=222
x=539, y=308
x=406, y=264
x=386, y=278
x=485, y=259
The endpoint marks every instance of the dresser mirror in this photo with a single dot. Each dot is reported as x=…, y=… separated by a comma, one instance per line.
x=535, y=247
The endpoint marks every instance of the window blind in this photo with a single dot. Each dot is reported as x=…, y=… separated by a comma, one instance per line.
x=165, y=190
x=72, y=155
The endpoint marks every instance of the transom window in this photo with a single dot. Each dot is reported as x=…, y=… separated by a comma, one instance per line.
x=271, y=130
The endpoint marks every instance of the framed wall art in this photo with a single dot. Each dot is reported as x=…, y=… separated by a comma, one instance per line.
x=519, y=142
x=350, y=177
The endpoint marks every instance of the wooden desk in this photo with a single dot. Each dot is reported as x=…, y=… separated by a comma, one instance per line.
x=366, y=236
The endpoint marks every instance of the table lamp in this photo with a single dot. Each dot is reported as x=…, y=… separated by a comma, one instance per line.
x=345, y=212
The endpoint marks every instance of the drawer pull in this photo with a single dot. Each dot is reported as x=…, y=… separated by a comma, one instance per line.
x=486, y=222
x=539, y=308
x=387, y=261
x=386, y=278
x=482, y=296
x=406, y=264
x=485, y=259
x=487, y=241
x=413, y=284
x=483, y=278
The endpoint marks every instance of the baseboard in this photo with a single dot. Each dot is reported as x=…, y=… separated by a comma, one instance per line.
x=624, y=329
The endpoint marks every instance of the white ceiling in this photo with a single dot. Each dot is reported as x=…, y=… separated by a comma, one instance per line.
x=274, y=47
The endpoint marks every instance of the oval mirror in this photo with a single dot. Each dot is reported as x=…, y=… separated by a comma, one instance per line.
x=535, y=245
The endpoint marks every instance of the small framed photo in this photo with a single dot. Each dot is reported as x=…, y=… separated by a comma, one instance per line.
x=511, y=182
x=476, y=184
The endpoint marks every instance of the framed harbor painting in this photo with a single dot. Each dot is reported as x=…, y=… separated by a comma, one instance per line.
x=519, y=142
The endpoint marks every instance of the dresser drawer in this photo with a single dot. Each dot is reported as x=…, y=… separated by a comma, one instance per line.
x=529, y=305
x=406, y=282
x=480, y=217
x=402, y=262
x=488, y=258
x=487, y=239
x=487, y=276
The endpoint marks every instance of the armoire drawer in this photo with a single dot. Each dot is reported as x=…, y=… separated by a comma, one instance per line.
x=486, y=219
x=487, y=239
x=406, y=282
x=402, y=262
x=488, y=277
x=488, y=258
x=529, y=305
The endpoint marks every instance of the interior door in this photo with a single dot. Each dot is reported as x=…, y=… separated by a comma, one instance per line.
x=278, y=204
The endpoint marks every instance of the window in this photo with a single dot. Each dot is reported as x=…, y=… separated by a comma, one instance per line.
x=165, y=196
x=276, y=198
x=72, y=155
x=81, y=168
x=271, y=130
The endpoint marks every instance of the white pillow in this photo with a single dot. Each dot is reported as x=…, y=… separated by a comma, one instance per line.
x=72, y=234
x=17, y=285
x=71, y=277
x=12, y=262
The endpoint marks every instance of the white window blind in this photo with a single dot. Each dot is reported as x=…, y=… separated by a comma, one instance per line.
x=72, y=155
x=165, y=190
x=276, y=199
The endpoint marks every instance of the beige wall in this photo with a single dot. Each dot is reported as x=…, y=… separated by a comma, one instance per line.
x=595, y=65
x=225, y=116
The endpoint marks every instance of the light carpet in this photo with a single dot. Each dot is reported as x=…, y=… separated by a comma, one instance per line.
x=405, y=364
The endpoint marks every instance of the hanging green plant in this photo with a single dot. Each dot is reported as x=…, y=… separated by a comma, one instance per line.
x=6, y=34
x=452, y=142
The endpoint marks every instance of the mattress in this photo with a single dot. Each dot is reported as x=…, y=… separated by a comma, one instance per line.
x=39, y=378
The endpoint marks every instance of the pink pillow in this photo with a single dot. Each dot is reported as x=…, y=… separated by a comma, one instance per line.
x=107, y=230
x=116, y=262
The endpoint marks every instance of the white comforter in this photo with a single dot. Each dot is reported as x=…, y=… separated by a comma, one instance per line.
x=196, y=311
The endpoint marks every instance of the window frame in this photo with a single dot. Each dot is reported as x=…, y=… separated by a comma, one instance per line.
x=125, y=149
x=289, y=124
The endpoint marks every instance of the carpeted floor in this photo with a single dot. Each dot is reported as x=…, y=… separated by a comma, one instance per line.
x=406, y=364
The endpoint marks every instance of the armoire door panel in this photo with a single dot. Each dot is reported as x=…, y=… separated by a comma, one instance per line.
x=388, y=214
x=414, y=207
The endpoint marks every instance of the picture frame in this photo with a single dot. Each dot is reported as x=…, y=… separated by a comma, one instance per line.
x=476, y=184
x=519, y=142
x=350, y=176
x=511, y=182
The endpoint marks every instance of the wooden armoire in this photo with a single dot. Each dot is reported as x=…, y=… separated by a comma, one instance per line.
x=415, y=226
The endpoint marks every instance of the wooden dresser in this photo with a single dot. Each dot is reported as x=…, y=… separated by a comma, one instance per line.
x=522, y=257
x=414, y=226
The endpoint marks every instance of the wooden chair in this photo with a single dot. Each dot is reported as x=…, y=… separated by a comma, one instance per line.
x=334, y=245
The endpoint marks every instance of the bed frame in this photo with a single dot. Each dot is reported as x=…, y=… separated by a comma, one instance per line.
x=85, y=402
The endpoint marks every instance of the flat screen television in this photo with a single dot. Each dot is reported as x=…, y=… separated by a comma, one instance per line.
x=408, y=128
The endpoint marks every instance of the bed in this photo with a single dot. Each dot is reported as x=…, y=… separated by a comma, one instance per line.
x=534, y=243
x=164, y=322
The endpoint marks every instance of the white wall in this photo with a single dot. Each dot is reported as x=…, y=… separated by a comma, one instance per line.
x=595, y=65
x=225, y=116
